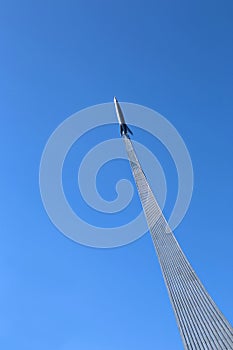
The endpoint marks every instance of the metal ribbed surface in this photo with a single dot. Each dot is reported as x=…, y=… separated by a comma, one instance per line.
x=201, y=323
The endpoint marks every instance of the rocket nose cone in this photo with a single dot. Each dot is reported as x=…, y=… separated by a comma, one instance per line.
x=115, y=99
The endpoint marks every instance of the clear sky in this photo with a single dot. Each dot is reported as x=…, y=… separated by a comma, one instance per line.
x=58, y=57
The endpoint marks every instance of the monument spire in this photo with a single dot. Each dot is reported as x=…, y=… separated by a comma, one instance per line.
x=201, y=324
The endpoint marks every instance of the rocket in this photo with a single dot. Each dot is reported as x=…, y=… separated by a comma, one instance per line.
x=124, y=129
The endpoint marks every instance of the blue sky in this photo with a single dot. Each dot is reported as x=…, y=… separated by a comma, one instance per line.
x=57, y=58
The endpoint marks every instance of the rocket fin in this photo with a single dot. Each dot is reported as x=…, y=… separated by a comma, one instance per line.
x=121, y=129
x=128, y=129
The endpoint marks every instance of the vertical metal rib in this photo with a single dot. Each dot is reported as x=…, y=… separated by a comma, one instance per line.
x=201, y=323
